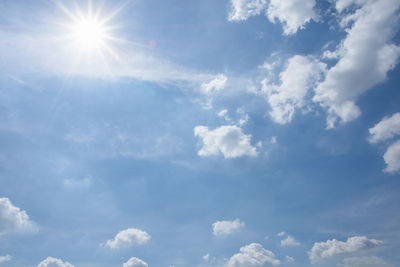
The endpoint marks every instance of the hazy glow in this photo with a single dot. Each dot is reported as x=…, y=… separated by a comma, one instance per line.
x=89, y=33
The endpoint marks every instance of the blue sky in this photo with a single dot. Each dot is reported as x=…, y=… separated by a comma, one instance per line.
x=229, y=133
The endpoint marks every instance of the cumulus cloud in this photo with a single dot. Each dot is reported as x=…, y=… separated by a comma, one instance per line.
x=290, y=241
x=369, y=261
x=243, y=9
x=253, y=255
x=392, y=158
x=128, y=237
x=5, y=258
x=54, y=262
x=293, y=15
x=226, y=227
x=334, y=247
x=386, y=129
x=211, y=88
x=13, y=218
x=228, y=140
x=365, y=57
x=135, y=262
x=300, y=75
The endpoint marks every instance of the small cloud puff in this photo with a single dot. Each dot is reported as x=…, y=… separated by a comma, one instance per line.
x=127, y=238
x=5, y=258
x=50, y=261
x=253, y=255
x=135, y=262
x=226, y=227
x=228, y=140
x=290, y=241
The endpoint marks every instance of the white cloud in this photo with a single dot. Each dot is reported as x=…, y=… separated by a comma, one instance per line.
x=211, y=88
x=206, y=257
x=392, y=158
x=228, y=140
x=289, y=259
x=365, y=57
x=243, y=9
x=217, y=84
x=387, y=128
x=13, y=218
x=53, y=262
x=292, y=14
x=334, y=247
x=226, y=227
x=5, y=258
x=135, y=262
x=290, y=241
x=128, y=237
x=366, y=261
x=300, y=75
x=281, y=234
x=253, y=255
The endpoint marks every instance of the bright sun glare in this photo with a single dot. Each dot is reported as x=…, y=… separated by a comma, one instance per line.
x=89, y=31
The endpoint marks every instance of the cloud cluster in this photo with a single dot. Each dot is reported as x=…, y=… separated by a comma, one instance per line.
x=50, y=261
x=386, y=129
x=226, y=227
x=13, y=218
x=293, y=15
x=330, y=248
x=243, y=9
x=128, y=237
x=253, y=255
x=228, y=140
x=300, y=75
x=135, y=262
x=364, y=57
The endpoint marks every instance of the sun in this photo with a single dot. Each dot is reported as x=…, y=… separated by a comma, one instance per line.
x=89, y=32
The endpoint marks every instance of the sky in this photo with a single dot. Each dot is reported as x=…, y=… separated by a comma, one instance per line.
x=206, y=133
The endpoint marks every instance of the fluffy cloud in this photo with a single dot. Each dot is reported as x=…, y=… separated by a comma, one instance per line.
x=334, y=247
x=13, y=218
x=243, y=9
x=135, y=262
x=364, y=261
x=292, y=14
x=290, y=241
x=392, y=158
x=365, y=57
x=5, y=258
x=253, y=255
x=387, y=128
x=217, y=84
x=228, y=140
x=300, y=75
x=128, y=237
x=226, y=227
x=54, y=262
